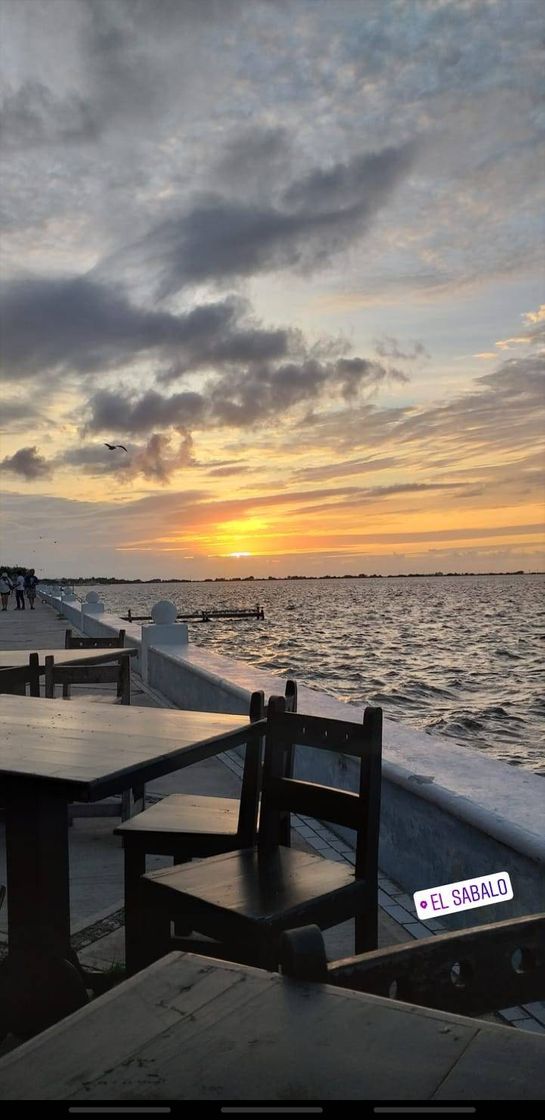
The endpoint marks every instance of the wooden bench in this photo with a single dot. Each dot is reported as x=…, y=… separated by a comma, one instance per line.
x=80, y=642
x=66, y=675
x=471, y=971
x=16, y=680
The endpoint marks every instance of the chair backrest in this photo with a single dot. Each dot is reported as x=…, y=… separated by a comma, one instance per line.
x=282, y=794
x=77, y=642
x=468, y=972
x=17, y=680
x=66, y=675
x=253, y=766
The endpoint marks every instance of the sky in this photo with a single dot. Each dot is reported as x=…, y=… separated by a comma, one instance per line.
x=289, y=254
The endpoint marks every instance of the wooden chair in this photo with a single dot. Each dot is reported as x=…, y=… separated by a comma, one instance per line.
x=16, y=681
x=192, y=826
x=77, y=642
x=246, y=898
x=132, y=801
x=469, y=972
x=66, y=675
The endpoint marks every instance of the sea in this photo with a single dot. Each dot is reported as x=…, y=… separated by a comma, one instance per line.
x=456, y=656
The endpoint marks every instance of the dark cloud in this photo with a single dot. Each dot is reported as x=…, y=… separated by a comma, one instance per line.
x=17, y=415
x=33, y=115
x=94, y=459
x=27, y=463
x=158, y=461
x=121, y=413
x=256, y=160
x=239, y=398
x=219, y=239
x=388, y=347
x=76, y=324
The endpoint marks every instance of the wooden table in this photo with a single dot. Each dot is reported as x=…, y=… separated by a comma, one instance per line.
x=18, y=658
x=192, y=1028
x=53, y=753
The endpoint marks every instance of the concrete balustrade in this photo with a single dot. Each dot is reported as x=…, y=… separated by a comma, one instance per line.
x=448, y=812
x=163, y=633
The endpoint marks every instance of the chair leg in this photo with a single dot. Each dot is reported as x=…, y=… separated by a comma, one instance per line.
x=150, y=936
x=135, y=866
x=366, y=939
x=132, y=802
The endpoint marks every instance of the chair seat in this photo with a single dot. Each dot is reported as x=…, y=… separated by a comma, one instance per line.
x=259, y=886
x=183, y=813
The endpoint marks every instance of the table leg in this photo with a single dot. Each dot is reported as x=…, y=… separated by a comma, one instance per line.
x=38, y=981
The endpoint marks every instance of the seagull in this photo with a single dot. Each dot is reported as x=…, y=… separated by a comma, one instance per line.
x=115, y=446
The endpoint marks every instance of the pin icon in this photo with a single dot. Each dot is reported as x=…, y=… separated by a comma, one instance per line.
x=423, y=904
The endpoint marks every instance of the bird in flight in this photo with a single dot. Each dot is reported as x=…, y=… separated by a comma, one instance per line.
x=115, y=446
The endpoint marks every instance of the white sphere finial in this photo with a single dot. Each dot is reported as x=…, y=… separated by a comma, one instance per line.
x=92, y=597
x=164, y=612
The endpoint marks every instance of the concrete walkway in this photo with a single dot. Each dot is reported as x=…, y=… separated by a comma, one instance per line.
x=96, y=856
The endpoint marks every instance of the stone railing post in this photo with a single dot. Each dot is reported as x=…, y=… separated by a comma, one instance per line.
x=90, y=608
x=163, y=631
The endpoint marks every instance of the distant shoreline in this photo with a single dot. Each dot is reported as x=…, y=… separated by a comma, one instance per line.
x=282, y=579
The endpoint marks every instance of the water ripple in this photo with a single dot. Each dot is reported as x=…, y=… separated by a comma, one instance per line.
x=458, y=657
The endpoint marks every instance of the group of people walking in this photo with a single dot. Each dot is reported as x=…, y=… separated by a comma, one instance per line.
x=23, y=584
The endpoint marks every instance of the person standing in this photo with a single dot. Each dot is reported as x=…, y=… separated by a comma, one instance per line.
x=6, y=587
x=30, y=587
x=20, y=592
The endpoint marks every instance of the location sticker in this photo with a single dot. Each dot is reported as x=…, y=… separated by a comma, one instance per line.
x=465, y=895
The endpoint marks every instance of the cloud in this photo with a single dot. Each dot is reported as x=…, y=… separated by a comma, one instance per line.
x=94, y=459
x=158, y=462
x=20, y=415
x=32, y=115
x=532, y=333
x=237, y=398
x=388, y=347
x=27, y=463
x=220, y=239
x=255, y=160
x=75, y=324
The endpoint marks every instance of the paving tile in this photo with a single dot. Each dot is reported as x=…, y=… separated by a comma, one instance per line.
x=435, y=925
x=396, y=912
x=406, y=901
x=417, y=930
x=388, y=886
x=529, y=1025
x=510, y=1013
x=537, y=1010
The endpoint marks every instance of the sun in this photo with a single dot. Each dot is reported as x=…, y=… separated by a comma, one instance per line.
x=234, y=536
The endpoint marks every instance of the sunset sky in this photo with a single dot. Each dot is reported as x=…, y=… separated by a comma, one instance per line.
x=290, y=254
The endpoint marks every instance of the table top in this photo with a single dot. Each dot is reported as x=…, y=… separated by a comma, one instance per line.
x=18, y=658
x=93, y=748
x=192, y=1028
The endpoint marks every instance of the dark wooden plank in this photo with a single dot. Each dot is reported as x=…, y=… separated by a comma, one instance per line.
x=257, y=884
x=77, y=641
x=193, y=1023
x=472, y=971
x=312, y=799
x=183, y=812
x=96, y=751
x=13, y=658
x=322, y=734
